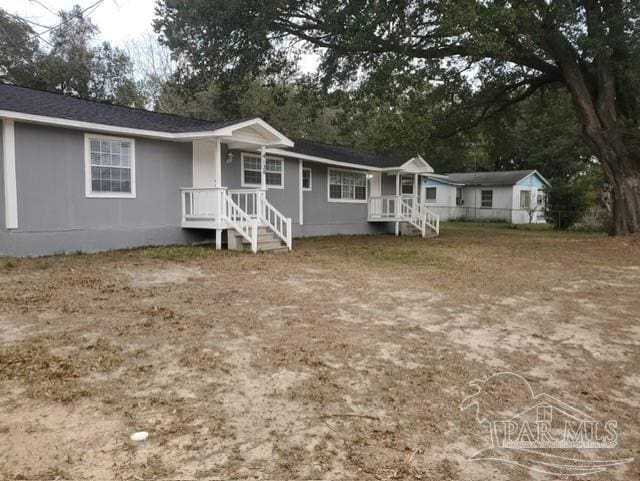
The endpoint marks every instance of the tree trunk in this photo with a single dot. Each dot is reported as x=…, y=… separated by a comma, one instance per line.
x=622, y=173
x=625, y=192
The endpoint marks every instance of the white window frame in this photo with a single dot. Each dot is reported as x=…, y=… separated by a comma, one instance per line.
x=426, y=199
x=482, y=202
x=310, y=188
x=404, y=178
x=87, y=168
x=257, y=156
x=524, y=193
x=347, y=201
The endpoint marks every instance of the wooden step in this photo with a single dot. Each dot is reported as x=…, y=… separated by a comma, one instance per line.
x=267, y=246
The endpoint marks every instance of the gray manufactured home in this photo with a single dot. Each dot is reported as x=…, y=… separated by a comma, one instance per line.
x=80, y=175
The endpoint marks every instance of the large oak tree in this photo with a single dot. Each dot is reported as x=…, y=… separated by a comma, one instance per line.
x=509, y=49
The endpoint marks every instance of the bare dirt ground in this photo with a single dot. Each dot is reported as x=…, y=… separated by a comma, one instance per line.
x=346, y=358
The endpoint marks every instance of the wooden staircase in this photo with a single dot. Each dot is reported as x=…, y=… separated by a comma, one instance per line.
x=407, y=228
x=267, y=241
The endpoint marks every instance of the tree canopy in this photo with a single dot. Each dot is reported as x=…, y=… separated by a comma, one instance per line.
x=492, y=54
x=72, y=64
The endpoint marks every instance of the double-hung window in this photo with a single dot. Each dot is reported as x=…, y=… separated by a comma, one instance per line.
x=109, y=166
x=347, y=186
x=431, y=194
x=252, y=172
x=406, y=185
x=306, y=178
x=525, y=199
x=486, y=199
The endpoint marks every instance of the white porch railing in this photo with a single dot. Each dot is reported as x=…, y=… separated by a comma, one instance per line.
x=383, y=207
x=403, y=208
x=241, y=209
x=241, y=222
x=202, y=204
x=279, y=224
x=247, y=200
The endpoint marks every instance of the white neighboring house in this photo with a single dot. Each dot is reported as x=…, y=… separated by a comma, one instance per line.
x=515, y=196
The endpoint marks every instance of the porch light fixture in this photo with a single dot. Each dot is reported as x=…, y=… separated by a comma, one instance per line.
x=369, y=176
x=229, y=157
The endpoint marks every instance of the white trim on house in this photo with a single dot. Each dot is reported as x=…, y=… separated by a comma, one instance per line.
x=114, y=129
x=300, y=193
x=9, y=171
x=229, y=129
x=416, y=165
x=347, y=201
x=322, y=160
x=87, y=168
x=257, y=186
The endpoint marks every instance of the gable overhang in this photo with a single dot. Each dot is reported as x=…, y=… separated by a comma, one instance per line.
x=254, y=132
x=415, y=165
x=537, y=174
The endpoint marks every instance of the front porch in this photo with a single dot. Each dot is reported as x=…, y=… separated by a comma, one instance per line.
x=246, y=211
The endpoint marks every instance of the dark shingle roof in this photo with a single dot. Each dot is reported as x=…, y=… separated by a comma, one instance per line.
x=49, y=104
x=39, y=102
x=510, y=177
x=344, y=153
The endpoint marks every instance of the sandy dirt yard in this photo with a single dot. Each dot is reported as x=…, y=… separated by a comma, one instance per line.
x=346, y=358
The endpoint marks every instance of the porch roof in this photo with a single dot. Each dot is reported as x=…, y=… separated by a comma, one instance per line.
x=345, y=153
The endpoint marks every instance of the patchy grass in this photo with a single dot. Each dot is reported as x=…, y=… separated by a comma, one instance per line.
x=346, y=358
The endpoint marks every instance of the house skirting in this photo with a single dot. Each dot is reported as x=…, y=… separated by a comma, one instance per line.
x=21, y=244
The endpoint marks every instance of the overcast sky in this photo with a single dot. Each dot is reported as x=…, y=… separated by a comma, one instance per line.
x=118, y=20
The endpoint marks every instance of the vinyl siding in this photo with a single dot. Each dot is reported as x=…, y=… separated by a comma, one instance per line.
x=54, y=214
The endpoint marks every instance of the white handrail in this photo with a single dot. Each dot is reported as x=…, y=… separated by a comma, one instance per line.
x=246, y=199
x=271, y=216
x=413, y=215
x=382, y=207
x=241, y=221
x=202, y=203
x=431, y=218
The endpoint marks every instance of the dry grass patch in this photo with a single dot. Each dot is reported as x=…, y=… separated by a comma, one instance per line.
x=346, y=358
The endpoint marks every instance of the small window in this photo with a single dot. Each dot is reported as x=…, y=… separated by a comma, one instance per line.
x=347, y=185
x=525, y=199
x=251, y=171
x=306, y=178
x=431, y=194
x=110, y=166
x=459, y=200
x=487, y=198
x=407, y=185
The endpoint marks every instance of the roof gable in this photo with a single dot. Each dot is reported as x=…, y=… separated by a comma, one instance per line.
x=534, y=179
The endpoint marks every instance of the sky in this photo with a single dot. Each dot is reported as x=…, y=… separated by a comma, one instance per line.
x=119, y=21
